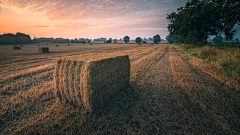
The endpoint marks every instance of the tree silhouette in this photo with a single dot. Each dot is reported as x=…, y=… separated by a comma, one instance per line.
x=156, y=39
x=126, y=39
x=190, y=23
x=138, y=40
x=218, y=40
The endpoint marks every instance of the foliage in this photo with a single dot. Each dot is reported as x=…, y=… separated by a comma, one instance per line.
x=169, y=39
x=115, y=40
x=144, y=42
x=218, y=40
x=156, y=39
x=109, y=41
x=237, y=39
x=138, y=40
x=192, y=25
x=126, y=39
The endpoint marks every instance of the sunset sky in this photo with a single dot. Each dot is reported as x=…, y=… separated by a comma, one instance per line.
x=88, y=18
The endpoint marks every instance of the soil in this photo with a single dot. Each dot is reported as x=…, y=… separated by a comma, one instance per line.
x=167, y=95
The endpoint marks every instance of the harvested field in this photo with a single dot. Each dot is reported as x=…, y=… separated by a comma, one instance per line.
x=168, y=94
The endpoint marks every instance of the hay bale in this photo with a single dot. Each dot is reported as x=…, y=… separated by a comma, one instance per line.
x=43, y=49
x=46, y=44
x=91, y=80
x=56, y=45
x=68, y=44
x=21, y=45
x=38, y=45
x=151, y=44
x=16, y=48
x=139, y=43
x=91, y=43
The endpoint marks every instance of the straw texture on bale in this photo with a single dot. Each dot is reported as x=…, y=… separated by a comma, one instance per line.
x=57, y=45
x=43, y=49
x=91, y=80
x=16, y=48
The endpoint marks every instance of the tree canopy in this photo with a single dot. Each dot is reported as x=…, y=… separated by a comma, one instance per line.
x=126, y=39
x=156, y=39
x=199, y=19
x=138, y=40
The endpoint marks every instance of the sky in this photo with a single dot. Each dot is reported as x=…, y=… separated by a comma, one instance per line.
x=88, y=18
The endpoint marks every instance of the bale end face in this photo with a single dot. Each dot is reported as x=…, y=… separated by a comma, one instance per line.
x=91, y=80
x=43, y=49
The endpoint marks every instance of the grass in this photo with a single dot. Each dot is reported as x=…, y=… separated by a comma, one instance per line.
x=227, y=58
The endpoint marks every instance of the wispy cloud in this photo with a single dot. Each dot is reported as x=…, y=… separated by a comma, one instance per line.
x=73, y=15
x=37, y=26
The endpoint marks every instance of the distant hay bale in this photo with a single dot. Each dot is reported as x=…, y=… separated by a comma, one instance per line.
x=21, y=45
x=56, y=45
x=139, y=43
x=16, y=48
x=91, y=43
x=68, y=44
x=38, y=45
x=151, y=44
x=91, y=80
x=46, y=44
x=43, y=49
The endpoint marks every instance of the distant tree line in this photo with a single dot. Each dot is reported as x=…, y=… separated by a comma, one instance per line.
x=199, y=19
x=155, y=39
x=19, y=38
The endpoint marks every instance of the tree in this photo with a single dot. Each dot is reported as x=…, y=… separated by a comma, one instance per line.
x=120, y=39
x=115, y=40
x=236, y=39
x=145, y=39
x=156, y=39
x=162, y=39
x=138, y=40
x=218, y=40
x=169, y=39
x=150, y=39
x=126, y=39
x=190, y=23
x=109, y=41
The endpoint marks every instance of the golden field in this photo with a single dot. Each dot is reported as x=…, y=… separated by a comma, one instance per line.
x=170, y=92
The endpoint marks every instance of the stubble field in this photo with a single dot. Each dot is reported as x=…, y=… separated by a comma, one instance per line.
x=170, y=93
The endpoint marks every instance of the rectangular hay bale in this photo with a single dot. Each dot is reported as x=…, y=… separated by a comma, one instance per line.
x=16, y=48
x=43, y=49
x=91, y=80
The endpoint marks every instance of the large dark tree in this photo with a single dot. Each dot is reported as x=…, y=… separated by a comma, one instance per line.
x=199, y=19
x=138, y=40
x=156, y=39
x=126, y=39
